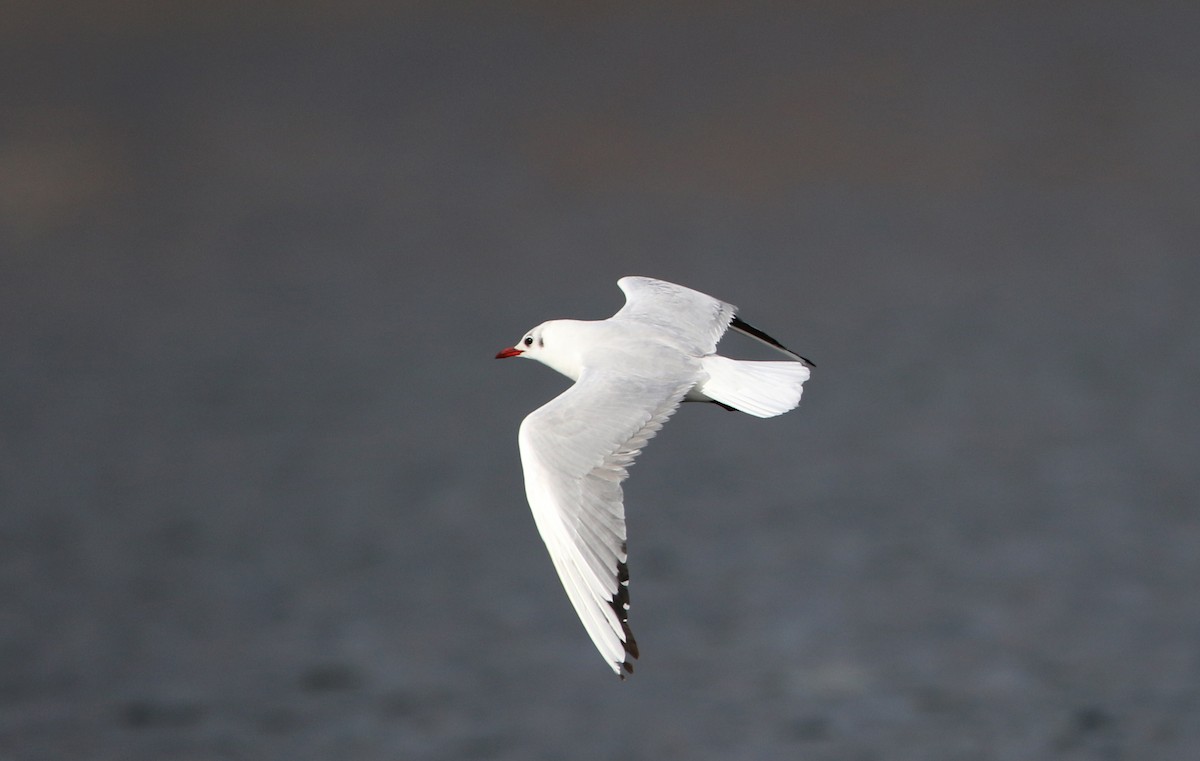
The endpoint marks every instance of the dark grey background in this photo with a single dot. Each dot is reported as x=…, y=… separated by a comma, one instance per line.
x=259, y=488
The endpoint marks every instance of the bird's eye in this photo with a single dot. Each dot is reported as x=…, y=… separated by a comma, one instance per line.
x=528, y=340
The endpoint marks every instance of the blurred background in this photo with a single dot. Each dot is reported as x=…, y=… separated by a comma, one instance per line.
x=260, y=494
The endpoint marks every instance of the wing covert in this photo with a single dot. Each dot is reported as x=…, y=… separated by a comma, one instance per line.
x=695, y=319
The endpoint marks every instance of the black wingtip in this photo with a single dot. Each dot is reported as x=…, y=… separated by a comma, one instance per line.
x=620, y=605
x=742, y=326
x=626, y=669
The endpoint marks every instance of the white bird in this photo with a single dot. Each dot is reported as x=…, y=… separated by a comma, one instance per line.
x=631, y=371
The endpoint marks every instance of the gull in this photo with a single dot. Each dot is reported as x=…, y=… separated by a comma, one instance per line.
x=631, y=371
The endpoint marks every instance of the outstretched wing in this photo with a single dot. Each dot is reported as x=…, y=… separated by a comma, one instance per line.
x=695, y=319
x=575, y=451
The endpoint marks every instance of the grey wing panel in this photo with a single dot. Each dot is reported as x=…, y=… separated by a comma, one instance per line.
x=695, y=319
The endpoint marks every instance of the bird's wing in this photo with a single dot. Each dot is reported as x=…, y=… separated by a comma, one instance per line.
x=575, y=451
x=747, y=329
x=695, y=319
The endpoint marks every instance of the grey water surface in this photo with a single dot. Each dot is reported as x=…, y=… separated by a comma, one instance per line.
x=260, y=495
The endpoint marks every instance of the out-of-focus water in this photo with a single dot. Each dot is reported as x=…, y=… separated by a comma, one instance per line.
x=259, y=487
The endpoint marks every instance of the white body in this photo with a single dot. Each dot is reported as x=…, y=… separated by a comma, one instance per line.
x=631, y=371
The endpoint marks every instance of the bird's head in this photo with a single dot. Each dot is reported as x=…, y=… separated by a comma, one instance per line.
x=529, y=346
x=550, y=344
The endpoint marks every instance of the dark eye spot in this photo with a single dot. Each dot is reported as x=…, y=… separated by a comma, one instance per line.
x=529, y=340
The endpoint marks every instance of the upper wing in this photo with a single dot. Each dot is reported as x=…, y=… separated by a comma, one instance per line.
x=575, y=450
x=695, y=319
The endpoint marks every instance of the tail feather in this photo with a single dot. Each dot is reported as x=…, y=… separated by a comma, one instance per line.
x=762, y=389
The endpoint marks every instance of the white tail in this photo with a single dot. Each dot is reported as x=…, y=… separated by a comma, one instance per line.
x=762, y=389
